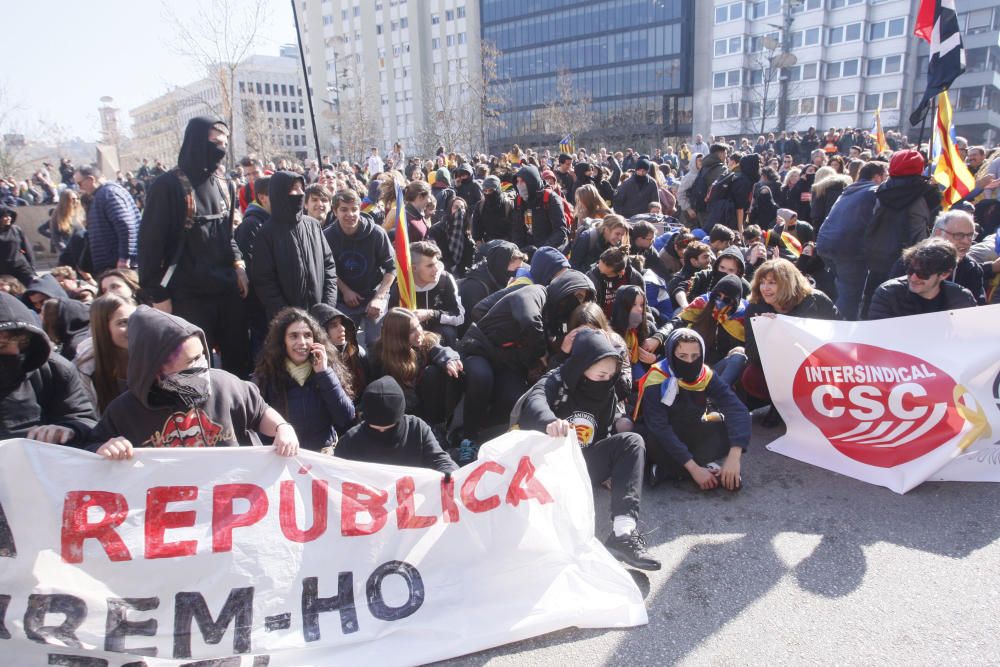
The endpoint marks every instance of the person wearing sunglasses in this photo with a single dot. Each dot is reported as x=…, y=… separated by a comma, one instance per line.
x=926, y=287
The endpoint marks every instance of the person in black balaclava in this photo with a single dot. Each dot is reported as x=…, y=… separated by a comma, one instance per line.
x=579, y=398
x=634, y=195
x=387, y=435
x=189, y=263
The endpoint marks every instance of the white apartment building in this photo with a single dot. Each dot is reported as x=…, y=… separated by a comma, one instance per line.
x=269, y=115
x=848, y=58
x=383, y=71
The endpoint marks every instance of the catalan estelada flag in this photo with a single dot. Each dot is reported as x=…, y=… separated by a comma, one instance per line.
x=881, y=145
x=367, y=205
x=733, y=322
x=659, y=375
x=401, y=244
x=787, y=242
x=950, y=171
x=566, y=145
x=506, y=186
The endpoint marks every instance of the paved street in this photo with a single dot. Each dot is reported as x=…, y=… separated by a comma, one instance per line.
x=802, y=567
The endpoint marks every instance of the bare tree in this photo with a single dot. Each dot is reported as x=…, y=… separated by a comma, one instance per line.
x=359, y=117
x=569, y=111
x=258, y=128
x=220, y=36
x=12, y=144
x=486, y=93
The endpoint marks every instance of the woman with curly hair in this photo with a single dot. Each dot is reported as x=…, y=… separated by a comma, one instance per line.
x=427, y=371
x=300, y=374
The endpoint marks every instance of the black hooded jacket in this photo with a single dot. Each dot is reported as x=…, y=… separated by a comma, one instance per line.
x=357, y=363
x=68, y=324
x=549, y=225
x=234, y=408
x=704, y=281
x=905, y=207
x=561, y=300
x=203, y=247
x=557, y=394
x=512, y=333
x=489, y=274
x=492, y=217
x=16, y=258
x=469, y=190
x=50, y=391
x=292, y=262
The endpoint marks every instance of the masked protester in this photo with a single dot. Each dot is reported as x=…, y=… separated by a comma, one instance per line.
x=175, y=400
x=719, y=317
x=493, y=215
x=388, y=435
x=41, y=394
x=682, y=437
x=578, y=399
x=189, y=262
x=547, y=264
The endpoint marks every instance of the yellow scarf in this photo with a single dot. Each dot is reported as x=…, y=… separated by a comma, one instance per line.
x=299, y=372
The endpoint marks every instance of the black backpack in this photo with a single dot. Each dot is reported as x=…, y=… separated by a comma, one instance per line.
x=698, y=191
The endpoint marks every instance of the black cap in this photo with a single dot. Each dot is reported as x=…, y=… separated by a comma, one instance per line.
x=383, y=403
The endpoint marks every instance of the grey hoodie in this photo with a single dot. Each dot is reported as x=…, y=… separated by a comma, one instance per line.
x=234, y=407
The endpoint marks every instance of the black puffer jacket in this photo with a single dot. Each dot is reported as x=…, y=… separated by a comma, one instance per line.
x=492, y=218
x=893, y=298
x=292, y=262
x=489, y=275
x=512, y=333
x=905, y=207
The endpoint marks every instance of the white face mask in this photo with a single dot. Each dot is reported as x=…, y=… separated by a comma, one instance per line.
x=191, y=385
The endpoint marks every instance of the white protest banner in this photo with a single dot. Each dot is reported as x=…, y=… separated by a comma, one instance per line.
x=230, y=557
x=892, y=402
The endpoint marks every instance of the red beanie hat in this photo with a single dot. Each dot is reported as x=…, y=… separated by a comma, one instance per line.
x=906, y=163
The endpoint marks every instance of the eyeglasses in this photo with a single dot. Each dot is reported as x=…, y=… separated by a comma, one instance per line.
x=923, y=274
x=960, y=236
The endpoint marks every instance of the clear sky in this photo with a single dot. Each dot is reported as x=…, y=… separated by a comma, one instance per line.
x=62, y=56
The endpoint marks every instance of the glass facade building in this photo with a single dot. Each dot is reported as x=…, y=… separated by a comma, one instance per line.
x=631, y=58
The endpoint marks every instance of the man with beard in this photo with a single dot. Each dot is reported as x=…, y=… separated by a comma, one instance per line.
x=926, y=287
x=189, y=262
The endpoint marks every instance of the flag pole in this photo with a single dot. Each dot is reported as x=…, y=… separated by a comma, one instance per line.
x=305, y=77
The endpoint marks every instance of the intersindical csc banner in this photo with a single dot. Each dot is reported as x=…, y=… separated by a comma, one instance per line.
x=892, y=402
x=225, y=557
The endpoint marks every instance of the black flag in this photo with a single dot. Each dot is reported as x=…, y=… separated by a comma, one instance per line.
x=947, y=61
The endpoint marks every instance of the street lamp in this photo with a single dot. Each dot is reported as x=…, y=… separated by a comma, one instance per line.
x=785, y=60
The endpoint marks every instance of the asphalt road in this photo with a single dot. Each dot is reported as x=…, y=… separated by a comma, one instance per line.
x=803, y=566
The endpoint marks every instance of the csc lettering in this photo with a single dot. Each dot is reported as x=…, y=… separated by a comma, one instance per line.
x=865, y=402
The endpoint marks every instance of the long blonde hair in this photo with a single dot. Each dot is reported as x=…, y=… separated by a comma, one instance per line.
x=68, y=212
x=393, y=350
x=589, y=203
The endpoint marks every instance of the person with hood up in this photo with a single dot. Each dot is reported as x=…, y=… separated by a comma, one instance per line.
x=590, y=243
x=189, y=262
x=175, y=400
x=366, y=265
x=719, y=317
x=497, y=264
x=493, y=215
x=41, y=394
x=905, y=208
x=41, y=289
x=299, y=372
x=67, y=324
x=683, y=438
x=256, y=214
x=539, y=219
x=798, y=197
x=442, y=192
x=578, y=399
x=465, y=186
x=584, y=172
x=453, y=237
x=16, y=258
x=729, y=262
x=547, y=264
x=389, y=436
x=342, y=333
x=293, y=265
x=635, y=194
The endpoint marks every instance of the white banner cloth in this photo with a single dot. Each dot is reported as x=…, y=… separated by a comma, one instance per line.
x=241, y=557
x=892, y=402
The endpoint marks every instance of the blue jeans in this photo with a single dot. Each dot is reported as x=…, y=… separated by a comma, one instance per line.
x=368, y=329
x=731, y=368
x=849, y=275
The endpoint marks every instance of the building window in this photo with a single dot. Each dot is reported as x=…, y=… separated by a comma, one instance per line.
x=451, y=40
x=757, y=42
x=269, y=107
x=729, y=46
x=404, y=22
x=733, y=77
x=807, y=37
x=843, y=69
x=807, y=6
x=449, y=15
x=887, y=100
x=435, y=19
x=378, y=29
x=841, y=103
x=395, y=26
x=837, y=4
x=461, y=12
x=763, y=8
x=436, y=43
x=260, y=90
x=805, y=72
x=357, y=11
x=886, y=65
x=286, y=107
x=886, y=29
x=243, y=87
x=846, y=33
x=726, y=13
x=461, y=38
x=802, y=107
x=726, y=111
x=327, y=20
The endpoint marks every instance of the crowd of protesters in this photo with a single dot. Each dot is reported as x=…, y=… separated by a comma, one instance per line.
x=604, y=295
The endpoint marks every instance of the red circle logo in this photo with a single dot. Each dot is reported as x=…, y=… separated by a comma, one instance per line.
x=880, y=407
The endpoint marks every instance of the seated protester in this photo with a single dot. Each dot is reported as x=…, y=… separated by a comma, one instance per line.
x=959, y=229
x=720, y=238
x=779, y=288
x=590, y=316
x=763, y=209
x=438, y=307
x=789, y=235
x=579, y=398
x=547, y=264
x=590, y=208
x=670, y=245
x=102, y=359
x=175, y=400
x=427, y=371
x=719, y=317
x=508, y=346
x=498, y=263
x=41, y=289
x=539, y=219
x=300, y=373
x=67, y=324
x=389, y=436
x=492, y=216
x=590, y=243
x=683, y=438
x=16, y=258
x=452, y=236
x=123, y=282
x=729, y=262
x=41, y=395
x=697, y=257
x=416, y=196
x=926, y=287
x=343, y=335
x=612, y=271
x=630, y=319
x=293, y=265
x=75, y=287
x=317, y=204
x=366, y=268
x=642, y=236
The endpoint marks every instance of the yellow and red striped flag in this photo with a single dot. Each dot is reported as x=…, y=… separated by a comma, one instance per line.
x=881, y=145
x=401, y=244
x=950, y=171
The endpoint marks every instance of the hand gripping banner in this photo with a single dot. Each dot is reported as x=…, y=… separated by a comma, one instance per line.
x=892, y=402
x=229, y=557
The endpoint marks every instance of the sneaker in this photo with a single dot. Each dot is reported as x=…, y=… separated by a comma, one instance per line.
x=772, y=419
x=631, y=549
x=653, y=476
x=466, y=452
x=714, y=468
